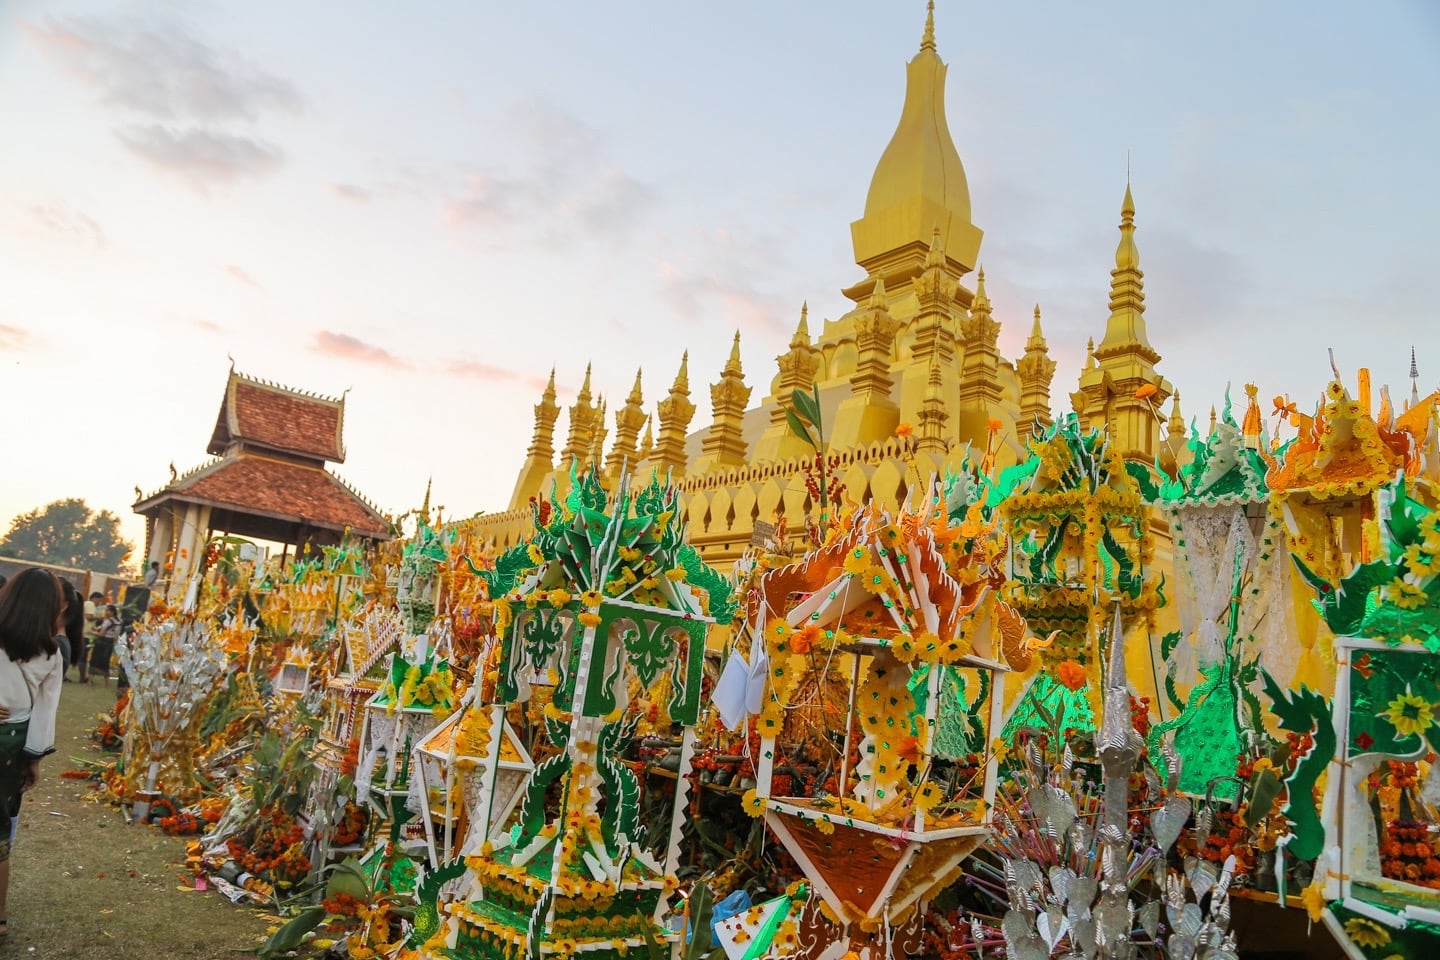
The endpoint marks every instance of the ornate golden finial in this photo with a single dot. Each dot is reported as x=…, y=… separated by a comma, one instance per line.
x=584, y=395
x=878, y=299
x=935, y=256
x=1037, y=336
x=1177, y=422
x=927, y=41
x=628, y=421
x=802, y=330
x=1090, y=354
x=1212, y=421
x=982, y=299
x=647, y=443
x=682, y=376
x=732, y=365
x=1127, y=255
x=549, y=395
x=425, y=505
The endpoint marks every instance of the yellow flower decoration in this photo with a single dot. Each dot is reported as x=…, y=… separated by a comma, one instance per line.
x=1366, y=934
x=675, y=573
x=1405, y=595
x=1410, y=713
x=927, y=797
x=753, y=804
x=589, y=619
x=591, y=598
x=559, y=598
x=824, y=826
x=1313, y=897
x=857, y=561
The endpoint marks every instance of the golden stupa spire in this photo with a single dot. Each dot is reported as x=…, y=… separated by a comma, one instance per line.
x=1037, y=372
x=647, y=443
x=628, y=421
x=801, y=337
x=933, y=413
x=539, y=459
x=724, y=444
x=868, y=413
x=919, y=181
x=597, y=435
x=979, y=373
x=1125, y=330
x=676, y=410
x=582, y=425
x=797, y=368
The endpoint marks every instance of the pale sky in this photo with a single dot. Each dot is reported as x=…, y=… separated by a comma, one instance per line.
x=431, y=203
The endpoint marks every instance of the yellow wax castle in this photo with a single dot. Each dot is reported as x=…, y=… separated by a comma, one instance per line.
x=909, y=378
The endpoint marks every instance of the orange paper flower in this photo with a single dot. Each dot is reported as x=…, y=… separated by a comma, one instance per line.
x=904, y=430
x=1071, y=675
x=1146, y=391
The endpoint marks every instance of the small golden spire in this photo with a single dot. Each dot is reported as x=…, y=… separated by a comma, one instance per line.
x=980, y=295
x=878, y=299
x=1090, y=354
x=647, y=444
x=1177, y=422
x=732, y=365
x=935, y=256
x=1037, y=336
x=1414, y=379
x=636, y=397
x=1127, y=255
x=927, y=41
x=802, y=330
x=549, y=394
x=682, y=376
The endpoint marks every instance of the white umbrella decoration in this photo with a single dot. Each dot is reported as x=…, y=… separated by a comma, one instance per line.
x=174, y=669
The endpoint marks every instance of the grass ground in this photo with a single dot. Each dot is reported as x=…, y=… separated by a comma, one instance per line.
x=85, y=885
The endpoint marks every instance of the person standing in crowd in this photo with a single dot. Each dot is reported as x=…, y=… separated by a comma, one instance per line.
x=92, y=621
x=32, y=614
x=104, y=646
x=74, y=623
x=153, y=574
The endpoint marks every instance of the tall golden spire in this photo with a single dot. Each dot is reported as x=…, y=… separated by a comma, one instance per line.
x=933, y=413
x=1125, y=330
x=628, y=421
x=1119, y=386
x=1036, y=372
x=724, y=443
x=582, y=425
x=980, y=333
x=869, y=412
x=919, y=183
x=798, y=367
x=675, y=413
x=539, y=459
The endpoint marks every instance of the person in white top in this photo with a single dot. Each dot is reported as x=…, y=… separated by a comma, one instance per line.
x=32, y=612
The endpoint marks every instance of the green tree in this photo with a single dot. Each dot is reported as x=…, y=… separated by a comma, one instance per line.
x=69, y=534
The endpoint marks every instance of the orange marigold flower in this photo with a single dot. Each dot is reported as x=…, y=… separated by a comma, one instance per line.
x=904, y=430
x=1071, y=675
x=805, y=639
x=1146, y=391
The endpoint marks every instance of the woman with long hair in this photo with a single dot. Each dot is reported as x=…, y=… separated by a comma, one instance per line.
x=32, y=614
x=72, y=628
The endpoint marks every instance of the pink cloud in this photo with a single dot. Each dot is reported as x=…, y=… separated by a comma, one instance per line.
x=475, y=370
x=346, y=347
x=13, y=338
x=243, y=275
x=349, y=192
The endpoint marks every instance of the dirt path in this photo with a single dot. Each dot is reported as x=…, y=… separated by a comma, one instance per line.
x=85, y=885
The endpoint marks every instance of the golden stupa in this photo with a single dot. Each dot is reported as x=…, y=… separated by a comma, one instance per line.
x=910, y=378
